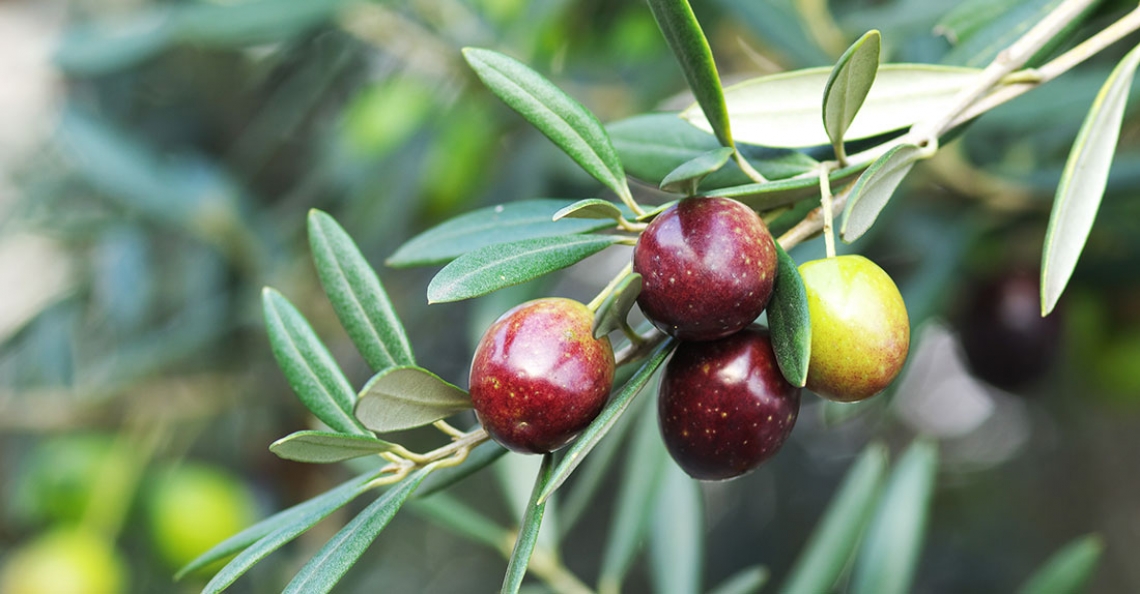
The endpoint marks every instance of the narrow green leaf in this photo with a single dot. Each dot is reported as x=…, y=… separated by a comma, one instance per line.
x=749, y=580
x=832, y=544
x=308, y=366
x=557, y=115
x=641, y=484
x=451, y=513
x=357, y=296
x=340, y=553
x=652, y=213
x=890, y=551
x=847, y=88
x=683, y=33
x=980, y=30
x=590, y=208
x=589, y=476
x=607, y=418
x=322, y=447
x=875, y=187
x=967, y=18
x=1068, y=570
x=686, y=178
x=677, y=535
x=504, y=223
x=653, y=145
x=789, y=320
x=784, y=109
x=493, y=267
x=481, y=457
x=528, y=531
x=1083, y=181
x=612, y=313
x=408, y=397
x=516, y=474
x=258, y=541
x=774, y=194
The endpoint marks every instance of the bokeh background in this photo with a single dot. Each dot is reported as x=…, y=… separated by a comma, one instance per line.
x=158, y=159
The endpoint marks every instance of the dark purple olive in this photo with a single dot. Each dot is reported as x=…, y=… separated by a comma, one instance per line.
x=707, y=267
x=1007, y=342
x=724, y=407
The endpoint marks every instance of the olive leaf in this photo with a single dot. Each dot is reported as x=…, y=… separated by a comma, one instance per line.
x=652, y=145
x=783, y=110
x=891, y=547
x=637, y=496
x=341, y=552
x=1083, y=182
x=256, y=542
x=557, y=115
x=612, y=313
x=677, y=534
x=322, y=447
x=308, y=365
x=528, y=530
x=832, y=544
x=789, y=320
x=774, y=194
x=847, y=88
x=408, y=397
x=688, y=175
x=501, y=265
x=979, y=30
x=874, y=188
x=357, y=296
x=1068, y=570
x=453, y=514
x=591, y=208
x=503, y=223
x=683, y=33
x=607, y=418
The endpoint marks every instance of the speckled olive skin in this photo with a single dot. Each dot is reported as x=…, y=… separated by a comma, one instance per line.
x=724, y=406
x=707, y=267
x=539, y=376
x=860, y=332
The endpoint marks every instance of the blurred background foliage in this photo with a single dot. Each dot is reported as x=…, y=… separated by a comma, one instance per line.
x=158, y=159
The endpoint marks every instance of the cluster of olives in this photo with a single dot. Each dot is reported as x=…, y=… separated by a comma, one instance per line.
x=708, y=268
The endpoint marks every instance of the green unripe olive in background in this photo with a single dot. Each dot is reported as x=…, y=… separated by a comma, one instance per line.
x=860, y=332
x=193, y=507
x=64, y=561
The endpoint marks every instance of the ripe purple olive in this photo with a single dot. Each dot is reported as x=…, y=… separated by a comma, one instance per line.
x=539, y=376
x=707, y=267
x=1006, y=341
x=724, y=407
x=860, y=332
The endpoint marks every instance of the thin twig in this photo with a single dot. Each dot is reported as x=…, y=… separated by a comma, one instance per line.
x=812, y=224
x=825, y=207
x=1011, y=58
x=1127, y=25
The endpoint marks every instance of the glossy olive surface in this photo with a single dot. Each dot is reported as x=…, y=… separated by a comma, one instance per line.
x=707, y=267
x=724, y=407
x=539, y=376
x=860, y=332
